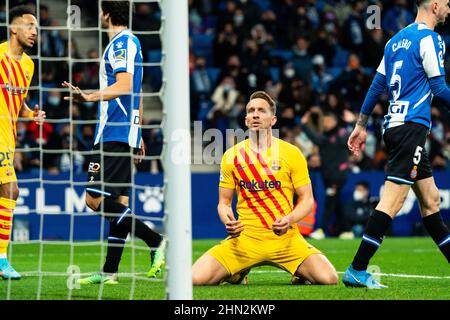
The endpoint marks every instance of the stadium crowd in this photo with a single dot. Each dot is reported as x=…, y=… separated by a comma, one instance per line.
x=315, y=57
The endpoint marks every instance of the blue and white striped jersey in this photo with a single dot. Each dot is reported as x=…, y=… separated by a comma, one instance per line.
x=414, y=55
x=118, y=119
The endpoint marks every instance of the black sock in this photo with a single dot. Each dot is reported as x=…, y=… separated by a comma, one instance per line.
x=142, y=231
x=376, y=228
x=113, y=211
x=116, y=244
x=121, y=223
x=439, y=232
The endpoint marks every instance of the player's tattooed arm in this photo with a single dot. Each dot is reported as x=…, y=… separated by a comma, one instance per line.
x=362, y=120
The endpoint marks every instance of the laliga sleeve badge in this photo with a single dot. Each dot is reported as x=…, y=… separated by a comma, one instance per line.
x=413, y=174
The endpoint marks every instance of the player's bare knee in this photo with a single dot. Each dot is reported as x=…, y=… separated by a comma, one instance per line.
x=92, y=202
x=201, y=279
x=330, y=278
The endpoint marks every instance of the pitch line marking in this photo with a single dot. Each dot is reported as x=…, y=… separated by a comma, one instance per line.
x=410, y=276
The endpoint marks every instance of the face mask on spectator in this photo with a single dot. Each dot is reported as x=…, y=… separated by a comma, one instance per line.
x=54, y=100
x=238, y=20
x=21, y=133
x=289, y=73
x=358, y=195
x=226, y=87
x=89, y=104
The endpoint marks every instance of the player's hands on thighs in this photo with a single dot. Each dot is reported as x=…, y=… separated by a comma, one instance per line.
x=280, y=226
x=234, y=228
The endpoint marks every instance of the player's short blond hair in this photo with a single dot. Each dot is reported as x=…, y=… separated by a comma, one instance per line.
x=419, y=3
x=265, y=96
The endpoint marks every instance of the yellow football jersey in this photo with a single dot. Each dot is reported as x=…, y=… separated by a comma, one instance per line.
x=15, y=79
x=264, y=182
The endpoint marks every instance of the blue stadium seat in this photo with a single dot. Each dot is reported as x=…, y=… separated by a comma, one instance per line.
x=214, y=75
x=263, y=4
x=210, y=22
x=154, y=55
x=275, y=74
x=341, y=57
x=202, y=41
x=202, y=45
x=335, y=71
x=286, y=55
x=155, y=73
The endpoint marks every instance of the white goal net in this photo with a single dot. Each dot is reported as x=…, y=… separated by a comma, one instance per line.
x=56, y=239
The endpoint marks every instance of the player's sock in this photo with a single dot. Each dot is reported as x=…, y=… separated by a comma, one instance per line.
x=116, y=244
x=117, y=234
x=376, y=228
x=439, y=232
x=142, y=231
x=119, y=229
x=6, y=212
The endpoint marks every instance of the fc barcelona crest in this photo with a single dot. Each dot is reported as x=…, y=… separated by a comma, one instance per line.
x=275, y=165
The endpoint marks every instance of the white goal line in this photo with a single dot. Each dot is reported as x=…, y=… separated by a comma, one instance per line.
x=411, y=276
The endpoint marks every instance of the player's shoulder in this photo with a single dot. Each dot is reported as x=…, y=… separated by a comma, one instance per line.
x=287, y=148
x=233, y=150
x=27, y=61
x=414, y=32
x=3, y=47
x=125, y=38
x=231, y=153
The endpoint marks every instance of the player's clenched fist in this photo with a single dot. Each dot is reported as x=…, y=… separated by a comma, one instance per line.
x=281, y=226
x=234, y=228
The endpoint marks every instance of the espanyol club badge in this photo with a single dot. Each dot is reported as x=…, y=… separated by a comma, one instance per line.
x=414, y=172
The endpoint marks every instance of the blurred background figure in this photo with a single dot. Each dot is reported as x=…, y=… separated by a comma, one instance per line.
x=357, y=210
x=332, y=143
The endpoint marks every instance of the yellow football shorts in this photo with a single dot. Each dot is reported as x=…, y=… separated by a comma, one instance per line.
x=251, y=249
x=7, y=172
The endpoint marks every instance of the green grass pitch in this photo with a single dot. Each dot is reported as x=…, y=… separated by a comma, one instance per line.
x=413, y=268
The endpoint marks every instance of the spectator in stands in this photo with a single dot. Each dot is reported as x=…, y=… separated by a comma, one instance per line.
x=71, y=160
x=263, y=39
x=352, y=83
x=56, y=107
x=224, y=97
x=201, y=86
x=396, y=18
x=252, y=11
x=24, y=160
x=358, y=209
x=300, y=24
x=302, y=60
x=324, y=44
x=320, y=79
x=353, y=31
x=234, y=69
x=332, y=144
x=373, y=48
x=225, y=45
x=52, y=43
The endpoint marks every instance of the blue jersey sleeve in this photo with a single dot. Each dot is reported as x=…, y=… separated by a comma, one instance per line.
x=440, y=90
x=376, y=89
x=122, y=55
